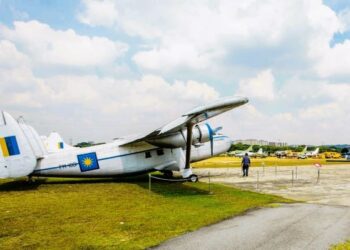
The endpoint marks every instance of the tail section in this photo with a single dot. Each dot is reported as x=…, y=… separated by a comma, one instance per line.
x=260, y=152
x=17, y=157
x=250, y=148
x=304, y=150
x=34, y=139
x=54, y=143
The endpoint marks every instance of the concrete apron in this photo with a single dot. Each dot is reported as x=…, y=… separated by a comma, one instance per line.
x=326, y=185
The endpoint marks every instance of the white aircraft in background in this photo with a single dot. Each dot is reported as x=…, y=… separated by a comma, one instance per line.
x=305, y=154
x=169, y=148
x=260, y=153
x=238, y=153
x=313, y=153
x=302, y=154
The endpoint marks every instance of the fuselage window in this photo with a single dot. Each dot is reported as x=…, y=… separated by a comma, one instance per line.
x=160, y=151
x=148, y=154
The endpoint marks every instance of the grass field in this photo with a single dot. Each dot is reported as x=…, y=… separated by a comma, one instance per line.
x=226, y=162
x=110, y=214
x=342, y=246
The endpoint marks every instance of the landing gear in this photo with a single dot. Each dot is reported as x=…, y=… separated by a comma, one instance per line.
x=168, y=174
x=193, y=178
x=30, y=179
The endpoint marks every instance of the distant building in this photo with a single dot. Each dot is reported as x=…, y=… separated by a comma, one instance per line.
x=260, y=142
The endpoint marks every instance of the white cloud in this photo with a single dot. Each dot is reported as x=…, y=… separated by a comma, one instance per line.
x=77, y=105
x=98, y=13
x=10, y=56
x=46, y=46
x=259, y=87
x=201, y=35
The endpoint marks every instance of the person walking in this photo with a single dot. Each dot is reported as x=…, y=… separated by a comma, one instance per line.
x=245, y=164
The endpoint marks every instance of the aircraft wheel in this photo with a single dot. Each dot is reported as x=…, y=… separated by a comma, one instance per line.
x=168, y=174
x=193, y=178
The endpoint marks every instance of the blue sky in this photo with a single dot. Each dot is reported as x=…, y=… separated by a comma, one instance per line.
x=95, y=70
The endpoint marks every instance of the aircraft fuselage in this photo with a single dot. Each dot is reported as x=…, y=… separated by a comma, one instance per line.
x=112, y=160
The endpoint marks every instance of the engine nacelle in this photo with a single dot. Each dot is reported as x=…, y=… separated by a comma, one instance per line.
x=200, y=134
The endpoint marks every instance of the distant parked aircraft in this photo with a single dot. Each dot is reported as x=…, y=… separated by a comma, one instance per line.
x=260, y=153
x=307, y=154
x=241, y=153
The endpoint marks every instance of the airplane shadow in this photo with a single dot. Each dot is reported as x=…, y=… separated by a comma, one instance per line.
x=170, y=188
x=161, y=187
x=18, y=185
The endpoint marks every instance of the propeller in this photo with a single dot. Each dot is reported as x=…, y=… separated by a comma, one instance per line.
x=212, y=132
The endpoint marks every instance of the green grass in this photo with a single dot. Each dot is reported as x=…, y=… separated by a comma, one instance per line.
x=226, y=162
x=342, y=246
x=111, y=214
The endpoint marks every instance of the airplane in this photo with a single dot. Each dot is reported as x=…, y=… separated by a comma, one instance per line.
x=170, y=148
x=240, y=153
x=260, y=153
x=302, y=154
x=281, y=153
x=305, y=154
x=313, y=153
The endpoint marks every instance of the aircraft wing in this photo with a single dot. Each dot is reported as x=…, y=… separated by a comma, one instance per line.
x=192, y=117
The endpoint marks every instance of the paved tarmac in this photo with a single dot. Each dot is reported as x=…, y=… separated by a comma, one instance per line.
x=302, y=183
x=317, y=224
x=292, y=226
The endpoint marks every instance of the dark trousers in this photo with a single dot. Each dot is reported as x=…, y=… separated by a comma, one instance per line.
x=245, y=170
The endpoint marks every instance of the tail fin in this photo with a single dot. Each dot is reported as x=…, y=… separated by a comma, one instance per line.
x=54, y=143
x=260, y=151
x=33, y=139
x=317, y=150
x=17, y=157
x=304, y=150
x=250, y=148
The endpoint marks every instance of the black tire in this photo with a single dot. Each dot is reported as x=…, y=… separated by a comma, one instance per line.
x=193, y=178
x=168, y=174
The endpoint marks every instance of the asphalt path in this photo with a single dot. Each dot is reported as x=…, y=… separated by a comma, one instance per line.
x=290, y=226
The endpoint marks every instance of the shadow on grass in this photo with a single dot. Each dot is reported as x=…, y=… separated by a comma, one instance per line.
x=164, y=188
x=18, y=185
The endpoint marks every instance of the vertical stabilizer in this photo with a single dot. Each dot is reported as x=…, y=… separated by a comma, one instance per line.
x=17, y=158
x=54, y=143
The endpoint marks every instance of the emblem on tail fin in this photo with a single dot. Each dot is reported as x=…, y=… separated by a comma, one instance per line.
x=9, y=146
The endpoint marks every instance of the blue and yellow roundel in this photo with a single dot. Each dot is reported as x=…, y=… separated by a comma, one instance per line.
x=88, y=162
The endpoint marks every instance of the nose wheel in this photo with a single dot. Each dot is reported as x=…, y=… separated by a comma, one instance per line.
x=168, y=174
x=193, y=178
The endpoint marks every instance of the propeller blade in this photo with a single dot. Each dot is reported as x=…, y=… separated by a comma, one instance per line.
x=217, y=130
x=211, y=138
